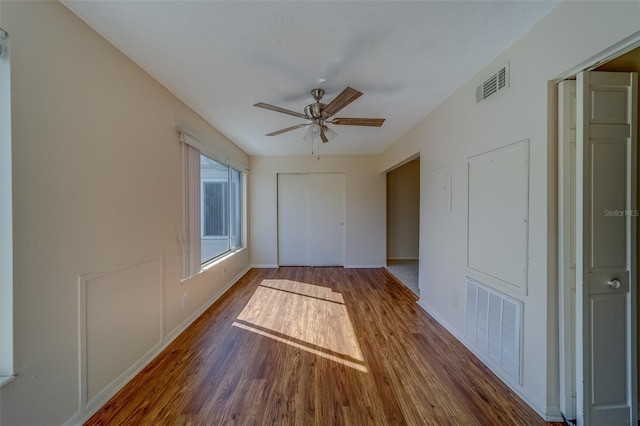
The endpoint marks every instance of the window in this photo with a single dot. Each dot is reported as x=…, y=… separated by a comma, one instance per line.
x=213, y=215
x=219, y=201
x=6, y=224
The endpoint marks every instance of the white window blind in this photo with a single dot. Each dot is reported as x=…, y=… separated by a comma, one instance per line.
x=191, y=210
x=211, y=151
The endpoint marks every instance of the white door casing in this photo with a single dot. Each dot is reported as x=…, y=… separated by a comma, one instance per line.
x=606, y=371
x=567, y=244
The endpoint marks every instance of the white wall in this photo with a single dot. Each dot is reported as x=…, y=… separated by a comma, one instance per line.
x=403, y=211
x=459, y=128
x=96, y=172
x=365, y=230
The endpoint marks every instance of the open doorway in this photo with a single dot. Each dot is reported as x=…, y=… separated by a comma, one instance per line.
x=403, y=223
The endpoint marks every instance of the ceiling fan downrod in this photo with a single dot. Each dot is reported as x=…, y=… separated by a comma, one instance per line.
x=317, y=94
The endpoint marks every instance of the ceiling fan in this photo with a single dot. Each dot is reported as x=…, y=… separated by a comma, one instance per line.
x=320, y=114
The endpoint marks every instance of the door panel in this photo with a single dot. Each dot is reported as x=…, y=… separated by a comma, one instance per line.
x=606, y=248
x=609, y=367
x=327, y=219
x=293, y=220
x=609, y=203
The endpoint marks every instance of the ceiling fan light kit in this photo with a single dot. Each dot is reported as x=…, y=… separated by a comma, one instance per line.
x=330, y=134
x=313, y=132
x=320, y=115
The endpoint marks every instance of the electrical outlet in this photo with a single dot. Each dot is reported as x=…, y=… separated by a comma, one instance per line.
x=224, y=270
x=185, y=299
x=454, y=299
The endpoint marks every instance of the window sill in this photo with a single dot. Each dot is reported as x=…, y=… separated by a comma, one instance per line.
x=6, y=379
x=212, y=263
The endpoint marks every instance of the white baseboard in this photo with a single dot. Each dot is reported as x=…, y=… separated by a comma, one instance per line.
x=187, y=322
x=90, y=409
x=275, y=265
x=363, y=266
x=402, y=258
x=550, y=414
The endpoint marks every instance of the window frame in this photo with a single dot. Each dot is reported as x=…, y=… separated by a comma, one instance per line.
x=241, y=202
x=227, y=208
x=7, y=372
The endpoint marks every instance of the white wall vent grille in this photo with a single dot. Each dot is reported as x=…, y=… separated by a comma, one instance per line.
x=493, y=84
x=494, y=327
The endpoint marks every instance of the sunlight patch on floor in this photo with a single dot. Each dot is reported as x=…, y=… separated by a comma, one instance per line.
x=306, y=316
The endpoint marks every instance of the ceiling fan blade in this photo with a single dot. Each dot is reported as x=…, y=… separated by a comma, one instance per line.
x=288, y=129
x=372, y=122
x=345, y=97
x=278, y=109
x=323, y=137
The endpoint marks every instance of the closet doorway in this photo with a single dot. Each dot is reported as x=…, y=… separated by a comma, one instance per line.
x=311, y=211
x=597, y=128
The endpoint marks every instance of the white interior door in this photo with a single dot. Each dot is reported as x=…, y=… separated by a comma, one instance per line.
x=567, y=245
x=327, y=219
x=311, y=219
x=606, y=372
x=294, y=230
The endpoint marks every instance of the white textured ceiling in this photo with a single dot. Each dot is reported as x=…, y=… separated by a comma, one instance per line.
x=221, y=57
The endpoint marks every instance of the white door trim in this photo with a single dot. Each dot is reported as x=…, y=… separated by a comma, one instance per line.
x=566, y=245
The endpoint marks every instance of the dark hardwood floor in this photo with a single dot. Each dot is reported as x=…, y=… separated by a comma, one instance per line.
x=316, y=346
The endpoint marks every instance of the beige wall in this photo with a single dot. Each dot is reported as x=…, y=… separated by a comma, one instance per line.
x=460, y=128
x=403, y=211
x=96, y=172
x=364, y=205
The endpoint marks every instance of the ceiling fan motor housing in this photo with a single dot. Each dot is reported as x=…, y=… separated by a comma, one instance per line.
x=314, y=110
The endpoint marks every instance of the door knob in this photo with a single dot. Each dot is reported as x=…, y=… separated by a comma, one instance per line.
x=614, y=283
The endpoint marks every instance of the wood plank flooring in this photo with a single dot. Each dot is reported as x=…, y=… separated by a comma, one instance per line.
x=316, y=346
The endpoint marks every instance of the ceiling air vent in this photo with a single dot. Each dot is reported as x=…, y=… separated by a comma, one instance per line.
x=496, y=82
